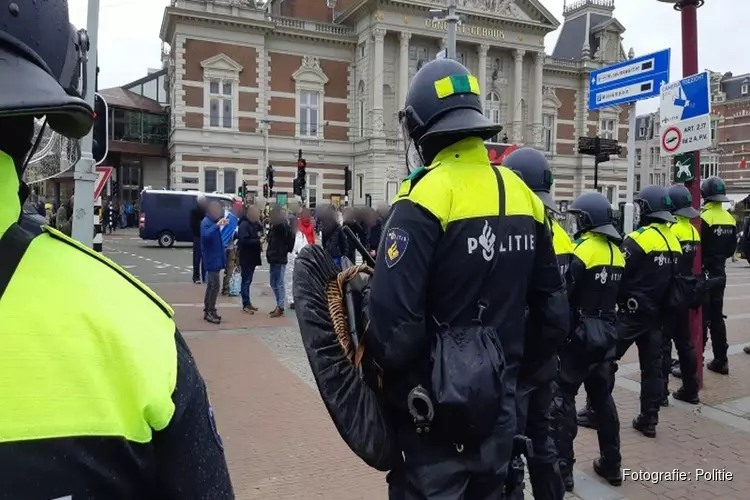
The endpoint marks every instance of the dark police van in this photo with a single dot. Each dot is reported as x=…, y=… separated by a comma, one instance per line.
x=165, y=215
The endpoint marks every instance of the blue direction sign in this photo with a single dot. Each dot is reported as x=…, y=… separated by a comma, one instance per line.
x=629, y=81
x=685, y=99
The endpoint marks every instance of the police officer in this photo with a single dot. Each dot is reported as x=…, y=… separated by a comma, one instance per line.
x=719, y=238
x=458, y=227
x=596, y=270
x=95, y=404
x=534, y=388
x=677, y=328
x=651, y=255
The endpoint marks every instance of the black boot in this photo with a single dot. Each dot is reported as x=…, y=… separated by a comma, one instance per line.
x=642, y=425
x=216, y=314
x=586, y=417
x=676, y=372
x=566, y=472
x=612, y=473
x=211, y=318
x=746, y=349
x=717, y=366
x=682, y=395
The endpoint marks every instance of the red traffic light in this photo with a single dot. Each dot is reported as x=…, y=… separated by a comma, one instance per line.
x=301, y=163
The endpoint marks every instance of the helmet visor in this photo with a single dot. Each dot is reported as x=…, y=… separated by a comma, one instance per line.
x=413, y=155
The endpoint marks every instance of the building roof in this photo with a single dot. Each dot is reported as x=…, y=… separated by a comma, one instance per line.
x=152, y=75
x=122, y=98
x=732, y=86
x=597, y=14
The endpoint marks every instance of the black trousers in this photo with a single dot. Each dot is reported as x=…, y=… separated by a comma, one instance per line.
x=436, y=469
x=599, y=387
x=677, y=330
x=646, y=334
x=713, y=319
x=534, y=421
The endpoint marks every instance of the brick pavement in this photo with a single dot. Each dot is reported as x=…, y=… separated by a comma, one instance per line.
x=280, y=441
x=719, y=388
x=685, y=440
x=187, y=300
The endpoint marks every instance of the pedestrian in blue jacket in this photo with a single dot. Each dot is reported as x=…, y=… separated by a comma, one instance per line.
x=214, y=258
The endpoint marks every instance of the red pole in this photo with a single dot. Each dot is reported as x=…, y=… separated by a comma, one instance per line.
x=689, y=13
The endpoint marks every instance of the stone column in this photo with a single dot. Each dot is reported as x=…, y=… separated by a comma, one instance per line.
x=403, y=68
x=518, y=96
x=482, y=70
x=538, y=97
x=377, y=82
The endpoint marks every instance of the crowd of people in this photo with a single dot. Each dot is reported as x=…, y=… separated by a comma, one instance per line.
x=232, y=242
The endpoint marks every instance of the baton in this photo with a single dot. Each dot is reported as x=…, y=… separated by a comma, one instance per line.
x=366, y=257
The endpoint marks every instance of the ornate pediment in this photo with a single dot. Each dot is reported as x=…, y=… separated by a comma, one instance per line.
x=310, y=72
x=221, y=62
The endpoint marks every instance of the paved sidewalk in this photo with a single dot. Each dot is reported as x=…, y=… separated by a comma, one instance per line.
x=281, y=443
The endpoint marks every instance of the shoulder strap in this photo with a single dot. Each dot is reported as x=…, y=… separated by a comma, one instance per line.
x=672, y=262
x=485, y=289
x=13, y=246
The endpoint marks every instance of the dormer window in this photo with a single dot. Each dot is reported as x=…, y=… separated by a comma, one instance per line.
x=745, y=89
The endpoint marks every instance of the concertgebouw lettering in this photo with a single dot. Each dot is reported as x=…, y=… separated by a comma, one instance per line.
x=493, y=33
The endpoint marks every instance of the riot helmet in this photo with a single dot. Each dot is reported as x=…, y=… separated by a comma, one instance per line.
x=682, y=201
x=593, y=213
x=654, y=204
x=532, y=166
x=714, y=189
x=42, y=62
x=443, y=106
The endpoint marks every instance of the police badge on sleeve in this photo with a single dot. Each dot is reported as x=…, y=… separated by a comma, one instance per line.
x=396, y=242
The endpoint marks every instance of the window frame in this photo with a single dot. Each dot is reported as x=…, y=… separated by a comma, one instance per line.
x=493, y=109
x=317, y=107
x=548, y=132
x=604, y=131
x=204, y=180
x=222, y=68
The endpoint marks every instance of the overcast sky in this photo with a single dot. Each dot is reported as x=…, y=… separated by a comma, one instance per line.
x=129, y=35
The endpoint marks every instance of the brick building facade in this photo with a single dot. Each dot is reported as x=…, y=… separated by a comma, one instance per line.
x=250, y=87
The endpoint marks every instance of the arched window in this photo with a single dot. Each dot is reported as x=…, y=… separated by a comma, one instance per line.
x=492, y=110
x=361, y=109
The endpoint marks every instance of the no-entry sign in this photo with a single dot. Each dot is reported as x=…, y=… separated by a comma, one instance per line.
x=671, y=139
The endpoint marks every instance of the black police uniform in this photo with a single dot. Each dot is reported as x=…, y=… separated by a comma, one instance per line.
x=677, y=327
x=95, y=405
x=456, y=227
x=719, y=240
x=595, y=274
x=535, y=380
x=651, y=255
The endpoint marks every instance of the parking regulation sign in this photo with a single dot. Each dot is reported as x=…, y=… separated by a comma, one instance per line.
x=671, y=140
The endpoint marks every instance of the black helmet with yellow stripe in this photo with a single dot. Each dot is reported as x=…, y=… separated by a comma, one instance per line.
x=443, y=105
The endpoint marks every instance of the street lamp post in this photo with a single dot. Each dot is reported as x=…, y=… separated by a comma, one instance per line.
x=689, y=12
x=452, y=20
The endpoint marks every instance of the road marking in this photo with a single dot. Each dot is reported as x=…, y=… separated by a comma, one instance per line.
x=157, y=262
x=161, y=274
x=164, y=266
x=128, y=267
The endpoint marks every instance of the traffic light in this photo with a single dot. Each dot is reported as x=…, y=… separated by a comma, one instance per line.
x=347, y=179
x=115, y=188
x=101, y=129
x=265, y=190
x=242, y=190
x=301, y=175
x=296, y=187
x=269, y=177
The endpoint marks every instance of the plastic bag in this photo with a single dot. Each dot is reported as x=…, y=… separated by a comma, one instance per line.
x=353, y=405
x=235, y=284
